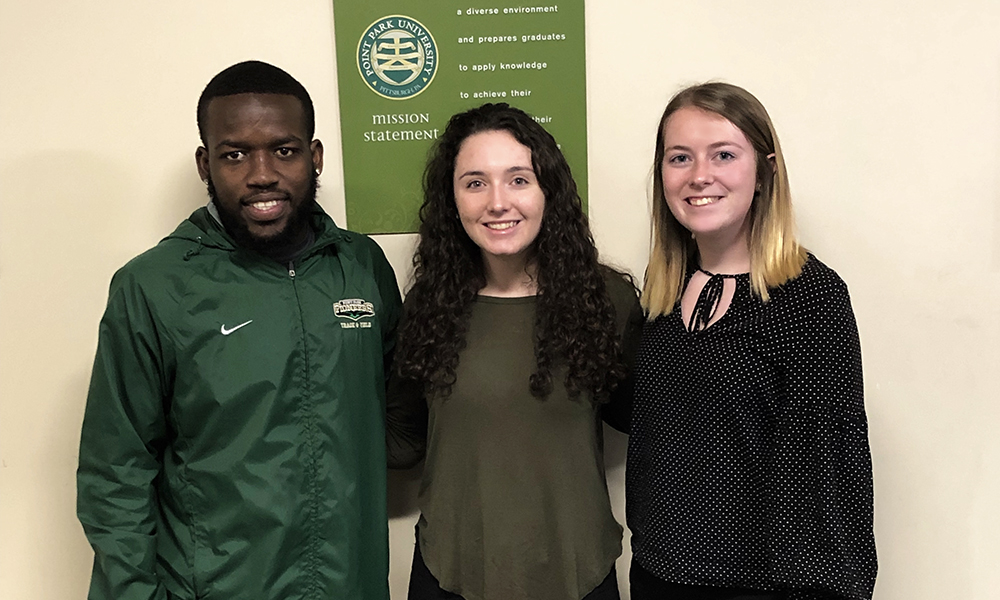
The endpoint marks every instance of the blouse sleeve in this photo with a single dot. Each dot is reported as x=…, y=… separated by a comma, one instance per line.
x=821, y=521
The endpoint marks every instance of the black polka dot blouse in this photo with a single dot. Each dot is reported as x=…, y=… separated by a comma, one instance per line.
x=748, y=460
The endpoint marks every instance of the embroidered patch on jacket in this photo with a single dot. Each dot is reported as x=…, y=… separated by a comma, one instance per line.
x=354, y=309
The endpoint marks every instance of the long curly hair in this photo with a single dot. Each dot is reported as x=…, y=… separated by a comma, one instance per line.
x=574, y=316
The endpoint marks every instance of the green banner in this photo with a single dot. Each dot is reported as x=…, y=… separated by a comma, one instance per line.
x=404, y=68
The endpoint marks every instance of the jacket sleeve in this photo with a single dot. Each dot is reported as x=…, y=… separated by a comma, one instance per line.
x=392, y=303
x=629, y=319
x=120, y=450
x=822, y=471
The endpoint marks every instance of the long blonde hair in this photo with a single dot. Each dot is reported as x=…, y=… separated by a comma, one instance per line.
x=775, y=255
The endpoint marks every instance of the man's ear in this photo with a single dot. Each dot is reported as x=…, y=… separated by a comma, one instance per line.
x=316, y=147
x=201, y=161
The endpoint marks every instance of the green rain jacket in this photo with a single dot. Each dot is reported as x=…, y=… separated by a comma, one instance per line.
x=233, y=444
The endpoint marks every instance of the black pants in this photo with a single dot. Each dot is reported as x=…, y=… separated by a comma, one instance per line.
x=646, y=586
x=424, y=586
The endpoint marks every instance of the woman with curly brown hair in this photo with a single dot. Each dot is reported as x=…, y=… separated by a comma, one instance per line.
x=512, y=341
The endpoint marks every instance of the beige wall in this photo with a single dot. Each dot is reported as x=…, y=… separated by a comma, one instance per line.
x=889, y=113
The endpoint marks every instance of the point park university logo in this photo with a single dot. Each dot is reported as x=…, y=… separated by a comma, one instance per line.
x=397, y=57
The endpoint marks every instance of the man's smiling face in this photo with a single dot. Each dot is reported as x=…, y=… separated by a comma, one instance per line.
x=261, y=169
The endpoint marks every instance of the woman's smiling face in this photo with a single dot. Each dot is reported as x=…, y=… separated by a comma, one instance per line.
x=497, y=194
x=709, y=174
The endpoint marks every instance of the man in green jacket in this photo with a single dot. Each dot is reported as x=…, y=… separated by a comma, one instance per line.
x=233, y=445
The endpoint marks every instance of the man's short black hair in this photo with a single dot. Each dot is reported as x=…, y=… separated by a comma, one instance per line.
x=255, y=77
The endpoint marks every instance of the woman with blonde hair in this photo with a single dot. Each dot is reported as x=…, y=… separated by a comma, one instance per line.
x=749, y=472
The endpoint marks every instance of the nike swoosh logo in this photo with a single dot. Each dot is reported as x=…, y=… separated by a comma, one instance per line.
x=228, y=331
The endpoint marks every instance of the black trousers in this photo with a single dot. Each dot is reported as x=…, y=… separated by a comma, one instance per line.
x=424, y=586
x=646, y=586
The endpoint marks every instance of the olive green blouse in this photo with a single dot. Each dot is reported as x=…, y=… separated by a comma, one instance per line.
x=514, y=501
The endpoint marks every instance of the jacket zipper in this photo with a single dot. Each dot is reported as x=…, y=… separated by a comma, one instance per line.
x=311, y=566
